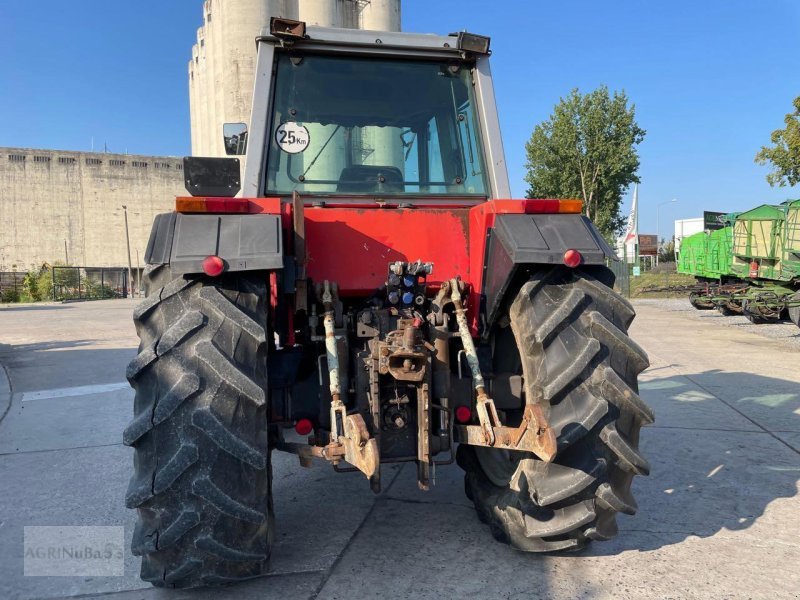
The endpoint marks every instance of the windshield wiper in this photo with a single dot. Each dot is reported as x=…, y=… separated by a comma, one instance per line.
x=408, y=145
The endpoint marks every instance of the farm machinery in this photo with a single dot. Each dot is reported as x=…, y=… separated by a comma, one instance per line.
x=750, y=266
x=365, y=294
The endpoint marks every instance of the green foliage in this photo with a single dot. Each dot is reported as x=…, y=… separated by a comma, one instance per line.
x=44, y=283
x=784, y=155
x=666, y=251
x=9, y=296
x=37, y=286
x=660, y=279
x=587, y=150
x=30, y=288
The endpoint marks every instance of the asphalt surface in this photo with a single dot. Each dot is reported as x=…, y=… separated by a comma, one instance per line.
x=719, y=517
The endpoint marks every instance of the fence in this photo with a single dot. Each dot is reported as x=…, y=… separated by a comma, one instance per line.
x=622, y=272
x=89, y=283
x=11, y=285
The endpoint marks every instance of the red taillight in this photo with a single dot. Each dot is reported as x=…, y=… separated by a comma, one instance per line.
x=572, y=258
x=213, y=266
x=551, y=206
x=304, y=427
x=463, y=414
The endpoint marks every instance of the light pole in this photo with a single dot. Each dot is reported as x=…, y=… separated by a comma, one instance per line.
x=128, y=241
x=658, y=221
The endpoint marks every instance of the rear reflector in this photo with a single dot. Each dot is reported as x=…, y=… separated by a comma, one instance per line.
x=463, y=414
x=304, y=427
x=212, y=205
x=572, y=258
x=213, y=266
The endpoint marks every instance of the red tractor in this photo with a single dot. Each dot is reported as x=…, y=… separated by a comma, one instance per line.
x=372, y=297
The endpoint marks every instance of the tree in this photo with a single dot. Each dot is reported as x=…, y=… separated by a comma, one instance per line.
x=587, y=150
x=666, y=251
x=784, y=155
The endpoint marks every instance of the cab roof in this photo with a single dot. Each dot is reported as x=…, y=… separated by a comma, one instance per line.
x=456, y=45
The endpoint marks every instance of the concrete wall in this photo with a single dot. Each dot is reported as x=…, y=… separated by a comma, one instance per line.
x=222, y=67
x=49, y=196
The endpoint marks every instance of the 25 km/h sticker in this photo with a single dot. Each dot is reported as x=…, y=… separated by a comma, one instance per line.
x=292, y=137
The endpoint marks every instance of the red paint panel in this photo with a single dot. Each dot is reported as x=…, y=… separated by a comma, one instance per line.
x=355, y=246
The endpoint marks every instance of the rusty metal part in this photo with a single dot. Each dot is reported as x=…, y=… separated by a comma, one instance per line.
x=374, y=396
x=308, y=451
x=466, y=337
x=360, y=450
x=487, y=413
x=405, y=365
x=423, y=436
x=487, y=416
x=355, y=447
x=534, y=435
x=441, y=373
x=332, y=355
x=349, y=437
x=404, y=354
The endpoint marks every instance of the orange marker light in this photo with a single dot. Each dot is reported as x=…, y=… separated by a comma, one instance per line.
x=570, y=206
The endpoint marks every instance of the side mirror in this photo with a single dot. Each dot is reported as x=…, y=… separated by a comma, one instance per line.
x=235, y=135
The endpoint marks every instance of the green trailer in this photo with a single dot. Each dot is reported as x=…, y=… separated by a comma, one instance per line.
x=791, y=256
x=751, y=266
x=758, y=237
x=707, y=255
x=691, y=259
x=790, y=262
x=763, y=239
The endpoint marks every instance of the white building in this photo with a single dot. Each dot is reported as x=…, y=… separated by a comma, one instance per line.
x=685, y=228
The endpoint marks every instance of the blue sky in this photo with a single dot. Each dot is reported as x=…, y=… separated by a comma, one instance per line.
x=710, y=80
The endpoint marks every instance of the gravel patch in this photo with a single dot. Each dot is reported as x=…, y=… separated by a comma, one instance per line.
x=786, y=331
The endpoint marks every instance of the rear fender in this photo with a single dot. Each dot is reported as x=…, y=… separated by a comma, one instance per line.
x=244, y=242
x=518, y=242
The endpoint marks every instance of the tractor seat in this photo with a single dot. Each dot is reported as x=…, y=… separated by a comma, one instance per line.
x=368, y=179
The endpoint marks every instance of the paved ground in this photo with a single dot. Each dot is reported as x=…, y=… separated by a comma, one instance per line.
x=719, y=516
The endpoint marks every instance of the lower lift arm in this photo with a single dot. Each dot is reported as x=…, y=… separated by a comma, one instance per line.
x=533, y=434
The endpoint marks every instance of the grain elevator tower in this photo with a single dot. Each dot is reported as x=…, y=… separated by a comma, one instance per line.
x=221, y=71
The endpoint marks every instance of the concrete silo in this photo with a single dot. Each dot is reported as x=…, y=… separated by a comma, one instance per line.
x=222, y=67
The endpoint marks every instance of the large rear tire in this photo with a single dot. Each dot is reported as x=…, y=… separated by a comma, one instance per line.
x=201, y=481
x=572, y=348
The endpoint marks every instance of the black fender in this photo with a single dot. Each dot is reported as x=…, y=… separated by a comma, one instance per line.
x=244, y=242
x=518, y=242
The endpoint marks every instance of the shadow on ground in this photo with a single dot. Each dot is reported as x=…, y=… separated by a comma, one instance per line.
x=58, y=364
x=26, y=307
x=717, y=462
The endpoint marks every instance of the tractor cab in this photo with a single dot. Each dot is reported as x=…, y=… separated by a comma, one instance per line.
x=364, y=115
